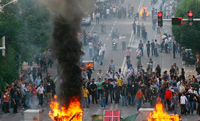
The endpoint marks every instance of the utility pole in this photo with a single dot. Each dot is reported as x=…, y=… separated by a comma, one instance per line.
x=3, y=48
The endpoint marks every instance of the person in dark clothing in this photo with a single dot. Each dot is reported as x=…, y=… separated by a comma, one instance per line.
x=138, y=30
x=15, y=102
x=110, y=90
x=124, y=94
x=129, y=91
x=106, y=88
x=93, y=88
x=39, y=72
x=174, y=50
x=117, y=93
x=134, y=27
x=90, y=92
x=187, y=58
x=148, y=48
x=158, y=70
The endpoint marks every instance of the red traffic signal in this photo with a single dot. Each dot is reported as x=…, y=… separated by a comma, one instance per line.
x=190, y=14
x=159, y=14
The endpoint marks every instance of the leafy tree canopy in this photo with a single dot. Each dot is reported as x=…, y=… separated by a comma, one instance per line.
x=188, y=36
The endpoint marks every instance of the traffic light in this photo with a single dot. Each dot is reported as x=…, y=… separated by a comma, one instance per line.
x=177, y=21
x=160, y=21
x=190, y=18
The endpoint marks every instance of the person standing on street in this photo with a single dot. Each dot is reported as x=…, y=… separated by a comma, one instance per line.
x=103, y=98
x=40, y=91
x=124, y=94
x=152, y=47
x=49, y=92
x=99, y=88
x=112, y=67
x=139, y=95
x=183, y=101
x=6, y=102
x=85, y=96
x=174, y=50
x=93, y=88
x=141, y=47
x=15, y=101
x=168, y=96
x=148, y=48
x=128, y=54
x=134, y=27
x=90, y=49
x=138, y=30
x=197, y=66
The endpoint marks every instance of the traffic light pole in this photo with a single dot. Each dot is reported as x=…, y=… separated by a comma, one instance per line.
x=185, y=19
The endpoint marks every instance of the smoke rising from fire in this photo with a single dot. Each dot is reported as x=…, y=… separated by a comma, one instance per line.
x=65, y=46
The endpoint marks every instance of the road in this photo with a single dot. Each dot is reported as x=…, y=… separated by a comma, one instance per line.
x=124, y=26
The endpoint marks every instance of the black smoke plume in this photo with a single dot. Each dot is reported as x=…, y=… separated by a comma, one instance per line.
x=66, y=47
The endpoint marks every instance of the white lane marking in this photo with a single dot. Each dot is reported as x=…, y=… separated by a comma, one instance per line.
x=124, y=67
x=92, y=28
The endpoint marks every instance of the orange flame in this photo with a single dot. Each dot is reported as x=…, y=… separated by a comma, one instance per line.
x=159, y=115
x=88, y=65
x=72, y=113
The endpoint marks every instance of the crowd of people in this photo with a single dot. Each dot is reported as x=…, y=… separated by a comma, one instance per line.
x=30, y=89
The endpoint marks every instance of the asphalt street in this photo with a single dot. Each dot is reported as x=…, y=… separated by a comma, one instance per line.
x=124, y=27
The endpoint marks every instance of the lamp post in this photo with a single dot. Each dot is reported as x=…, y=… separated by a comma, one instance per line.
x=2, y=6
x=3, y=38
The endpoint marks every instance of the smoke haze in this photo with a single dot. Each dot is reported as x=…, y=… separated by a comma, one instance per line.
x=65, y=46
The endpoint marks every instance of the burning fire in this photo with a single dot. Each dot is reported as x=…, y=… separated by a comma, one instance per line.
x=159, y=115
x=72, y=113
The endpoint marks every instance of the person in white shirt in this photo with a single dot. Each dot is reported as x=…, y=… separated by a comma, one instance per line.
x=114, y=11
x=100, y=74
x=109, y=74
x=101, y=56
x=107, y=12
x=103, y=47
x=40, y=91
x=183, y=101
x=121, y=74
x=90, y=49
x=138, y=53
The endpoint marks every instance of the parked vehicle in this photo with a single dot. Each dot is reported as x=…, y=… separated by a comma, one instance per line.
x=86, y=21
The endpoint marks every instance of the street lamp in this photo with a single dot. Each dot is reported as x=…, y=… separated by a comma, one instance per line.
x=2, y=6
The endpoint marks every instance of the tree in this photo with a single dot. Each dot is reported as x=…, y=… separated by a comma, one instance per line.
x=27, y=28
x=188, y=36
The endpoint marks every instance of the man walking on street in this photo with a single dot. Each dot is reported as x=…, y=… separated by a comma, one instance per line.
x=134, y=27
x=139, y=95
x=141, y=47
x=93, y=88
x=152, y=47
x=148, y=48
x=15, y=101
x=138, y=30
x=40, y=91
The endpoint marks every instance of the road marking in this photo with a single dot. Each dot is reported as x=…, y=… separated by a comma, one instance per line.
x=92, y=28
x=124, y=66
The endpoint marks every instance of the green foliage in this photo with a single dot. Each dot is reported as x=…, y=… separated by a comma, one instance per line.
x=27, y=28
x=9, y=66
x=188, y=36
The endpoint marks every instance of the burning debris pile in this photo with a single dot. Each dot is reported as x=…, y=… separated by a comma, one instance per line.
x=72, y=113
x=66, y=48
x=159, y=115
